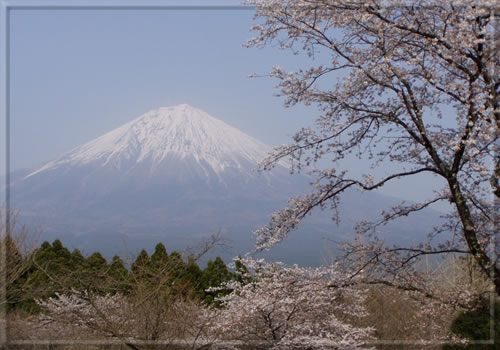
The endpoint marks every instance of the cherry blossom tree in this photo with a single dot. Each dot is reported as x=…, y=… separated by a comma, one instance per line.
x=411, y=83
x=106, y=314
x=290, y=307
x=133, y=322
x=155, y=304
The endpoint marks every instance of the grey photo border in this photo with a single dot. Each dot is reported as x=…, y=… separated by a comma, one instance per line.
x=6, y=7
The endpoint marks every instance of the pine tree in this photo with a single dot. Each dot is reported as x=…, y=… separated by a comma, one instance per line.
x=159, y=258
x=50, y=271
x=14, y=268
x=118, y=276
x=94, y=274
x=141, y=268
x=97, y=263
x=77, y=260
x=214, y=275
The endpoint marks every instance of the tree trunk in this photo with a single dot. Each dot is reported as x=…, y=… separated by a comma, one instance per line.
x=470, y=236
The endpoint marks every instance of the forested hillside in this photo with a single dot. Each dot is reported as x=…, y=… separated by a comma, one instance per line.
x=167, y=298
x=53, y=269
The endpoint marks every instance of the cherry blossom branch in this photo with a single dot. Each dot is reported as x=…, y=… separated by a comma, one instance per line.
x=404, y=62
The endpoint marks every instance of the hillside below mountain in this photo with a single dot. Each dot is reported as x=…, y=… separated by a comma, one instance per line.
x=177, y=175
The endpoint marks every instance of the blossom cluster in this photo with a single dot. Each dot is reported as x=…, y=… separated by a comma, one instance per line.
x=292, y=307
x=413, y=84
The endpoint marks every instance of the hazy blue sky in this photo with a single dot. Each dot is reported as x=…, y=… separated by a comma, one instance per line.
x=76, y=74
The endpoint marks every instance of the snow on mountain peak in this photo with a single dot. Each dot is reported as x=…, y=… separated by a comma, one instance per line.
x=180, y=132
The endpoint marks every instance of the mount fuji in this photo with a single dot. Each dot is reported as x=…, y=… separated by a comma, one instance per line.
x=175, y=174
x=201, y=147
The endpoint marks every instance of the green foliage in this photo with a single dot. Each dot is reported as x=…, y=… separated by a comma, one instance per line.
x=214, y=275
x=476, y=325
x=50, y=270
x=141, y=266
x=50, y=261
x=241, y=275
x=117, y=269
x=159, y=257
x=192, y=274
x=53, y=268
x=96, y=263
x=77, y=259
x=14, y=266
x=93, y=274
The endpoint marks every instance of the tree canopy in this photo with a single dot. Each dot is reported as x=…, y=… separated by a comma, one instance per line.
x=412, y=83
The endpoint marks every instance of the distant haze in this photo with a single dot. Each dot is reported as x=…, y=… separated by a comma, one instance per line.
x=77, y=74
x=177, y=175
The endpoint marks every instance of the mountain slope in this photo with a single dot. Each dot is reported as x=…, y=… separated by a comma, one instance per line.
x=178, y=146
x=174, y=174
x=180, y=132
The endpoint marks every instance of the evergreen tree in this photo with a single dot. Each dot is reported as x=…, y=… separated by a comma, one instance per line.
x=14, y=268
x=192, y=276
x=94, y=275
x=476, y=325
x=141, y=268
x=214, y=275
x=62, y=254
x=176, y=266
x=53, y=262
x=77, y=260
x=118, y=276
x=241, y=275
x=97, y=263
x=117, y=269
x=159, y=258
x=50, y=271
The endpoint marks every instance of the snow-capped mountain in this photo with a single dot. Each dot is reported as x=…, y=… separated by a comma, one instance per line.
x=167, y=148
x=181, y=132
x=174, y=174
